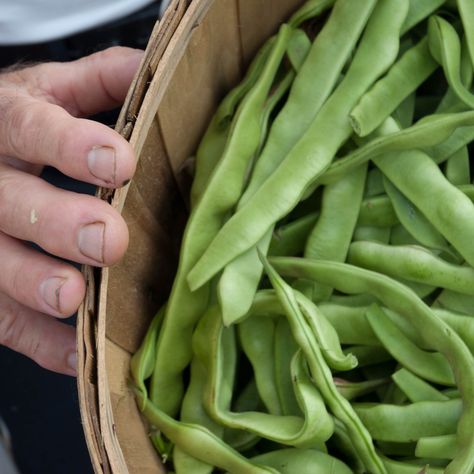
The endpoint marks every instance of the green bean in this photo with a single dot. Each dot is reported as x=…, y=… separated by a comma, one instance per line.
x=398, y=467
x=313, y=153
x=409, y=422
x=462, y=325
x=247, y=400
x=445, y=150
x=372, y=233
x=404, y=114
x=285, y=348
x=418, y=11
x=321, y=374
x=413, y=263
x=213, y=143
x=223, y=191
x=416, y=389
x=377, y=211
x=192, y=411
x=445, y=46
x=350, y=390
x=350, y=323
x=142, y=362
x=445, y=206
x=310, y=89
x=437, y=447
x=257, y=337
x=467, y=17
x=308, y=461
x=363, y=299
x=431, y=329
x=332, y=233
x=401, y=80
x=432, y=366
x=422, y=134
x=298, y=48
x=314, y=428
x=413, y=221
x=199, y=442
x=457, y=167
x=374, y=184
x=456, y=302
x=309, y=10
x=325, y=335
x=290, y=239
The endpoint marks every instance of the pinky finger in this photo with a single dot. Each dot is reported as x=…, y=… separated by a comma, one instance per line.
x=45, y=340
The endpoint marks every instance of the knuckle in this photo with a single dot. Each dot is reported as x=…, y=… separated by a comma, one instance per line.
x=8, y=206
x=12, y=326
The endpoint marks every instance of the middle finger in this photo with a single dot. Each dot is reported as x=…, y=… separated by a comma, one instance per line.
x=73, y=226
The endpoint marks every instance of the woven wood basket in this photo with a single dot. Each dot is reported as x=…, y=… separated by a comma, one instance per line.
x=197, y=52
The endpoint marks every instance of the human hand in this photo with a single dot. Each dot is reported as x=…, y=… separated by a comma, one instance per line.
x=41, y=123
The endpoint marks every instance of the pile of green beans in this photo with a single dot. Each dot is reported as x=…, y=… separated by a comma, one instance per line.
x=322, y=315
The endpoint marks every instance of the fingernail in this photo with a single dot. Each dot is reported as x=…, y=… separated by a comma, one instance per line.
x=102, y=163
x=72, y=361
x=51, y=292
x=90, y=241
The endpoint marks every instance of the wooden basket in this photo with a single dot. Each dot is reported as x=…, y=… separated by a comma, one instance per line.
x=197, y=52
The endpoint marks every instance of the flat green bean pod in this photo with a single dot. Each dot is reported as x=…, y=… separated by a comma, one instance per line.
x=437, y=129
x=400, y=299
x=458, y=169
x=401, y=80
x=377, y=211
x=419, y=10
x=214, y=140
x=313, y=153
x=372, y=233
x=432, y=366
x=409, y=422
x=416, y=389
x=466, y=9
x=437, y=447
x=332, y=233
x=291, y=461
x=199, y=442
x=445, y=46
x=413, y=221
x=257, y=337
x=351, y=390
x=285, y=348
x=350, y=323
x=413, y=263
x=290, y=239
x=399, y=467
x=309, y=10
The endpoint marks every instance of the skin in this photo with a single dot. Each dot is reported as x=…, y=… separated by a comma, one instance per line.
x=42, y=110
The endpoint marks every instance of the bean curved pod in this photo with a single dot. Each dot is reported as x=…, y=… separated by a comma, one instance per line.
x=290, y=461
x=437, y=447
x=410, y=422
x=321, y=374
x=199, y=442
x=397, y=297
x=401, y=80
x=413, y=263
x=416, y=389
